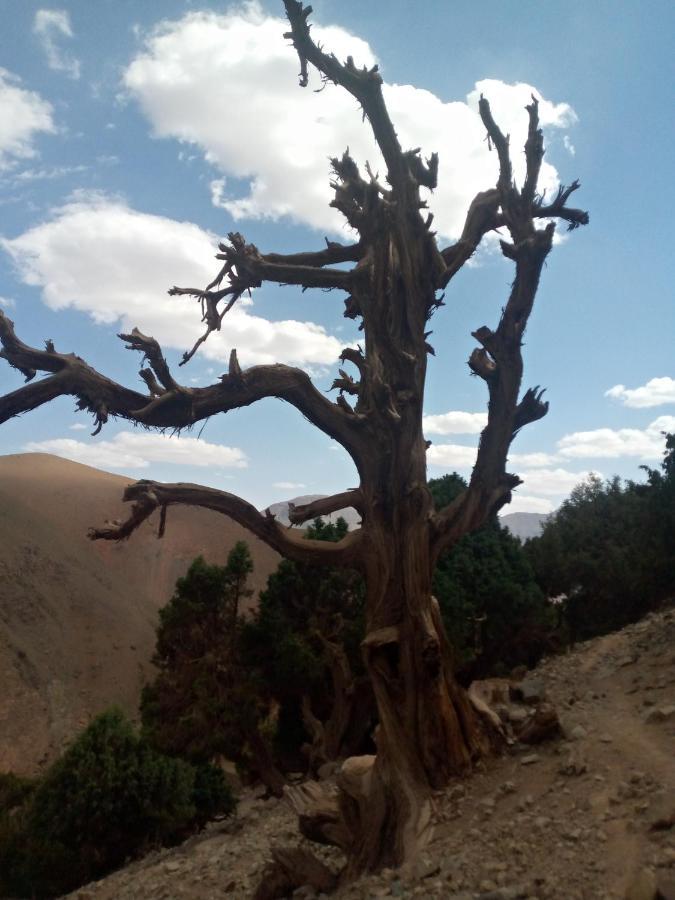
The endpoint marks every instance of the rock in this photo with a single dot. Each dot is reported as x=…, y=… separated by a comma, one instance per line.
x=306, y=892
x=505, y=893
x=530, y=690
x=530, y=759
x=643, y=886
x=660, y=714
x=426, y=868
x=327, y=770
x=578, y=733
x=542, y=726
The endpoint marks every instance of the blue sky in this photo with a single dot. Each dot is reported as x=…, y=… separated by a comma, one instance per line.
x=134, y=136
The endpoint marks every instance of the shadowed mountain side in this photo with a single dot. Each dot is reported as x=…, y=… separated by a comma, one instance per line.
x=77, y=618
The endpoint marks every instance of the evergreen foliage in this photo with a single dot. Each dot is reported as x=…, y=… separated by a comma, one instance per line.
x=304, y=610
x=609, y=551
x=496, y=615
x=203, y=703
x=109, y=797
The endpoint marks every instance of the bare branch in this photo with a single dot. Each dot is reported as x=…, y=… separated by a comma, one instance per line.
x=148, y=496
x=149, y=347
x=178, y=407
x=363, y=84
x=501, y=144
x=324, y=506
x=481, y=218
x=534, y=152
x=333, y=254
x=498, y=361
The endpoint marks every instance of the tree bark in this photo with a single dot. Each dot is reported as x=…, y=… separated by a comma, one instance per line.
x=428, y=731
x=264, y=764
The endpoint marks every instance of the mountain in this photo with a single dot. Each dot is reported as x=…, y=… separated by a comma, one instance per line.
x=77, y=618
x=524, y=525
x=280, y=510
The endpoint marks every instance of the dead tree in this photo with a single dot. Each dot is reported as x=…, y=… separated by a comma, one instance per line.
x=428, y=731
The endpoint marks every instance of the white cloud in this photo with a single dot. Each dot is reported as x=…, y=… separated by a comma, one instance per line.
x=7, y=302
x=228, y=84
x=47, y=173
x=288, y=485
x=455, y=422
x=78, y=426
x=451, y=456
x=553, y=481
x=532, y=460
x=99, y=256
x=51, y=26
x=527, y=503
x=136, y=450
x=23, y=114
x=655, y=392
x=646, y=444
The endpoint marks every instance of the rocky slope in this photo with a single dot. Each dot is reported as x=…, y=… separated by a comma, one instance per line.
x=77, y=619
x=589, y=816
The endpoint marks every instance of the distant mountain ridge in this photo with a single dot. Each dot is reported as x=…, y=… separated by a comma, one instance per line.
x=525, y=525
x=78, y=618
x=280, y=510
x=522, y=525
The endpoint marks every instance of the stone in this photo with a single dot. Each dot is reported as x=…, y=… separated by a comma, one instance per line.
x=327, y=770
x=578, y=733
x=529, y=690
x=660, y=714
x=530, y=759
x=643, y=886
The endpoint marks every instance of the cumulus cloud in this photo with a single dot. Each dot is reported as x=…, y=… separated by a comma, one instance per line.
x=52, y=26
x=23, y=115
x=136, y=450
x=527, y=503
x=289, y=485
x=655, y=392
x=555, y=482
x=455, y=422
x=7, y=302
x=451, y=456
x=532, y=460
x=227, y=83
x=78, y=426
x=125, y=284
x=646, y=444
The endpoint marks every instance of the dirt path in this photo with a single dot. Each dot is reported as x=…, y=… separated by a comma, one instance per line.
x=568, y=820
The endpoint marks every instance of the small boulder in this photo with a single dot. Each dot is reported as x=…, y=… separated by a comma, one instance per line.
x=529, y=690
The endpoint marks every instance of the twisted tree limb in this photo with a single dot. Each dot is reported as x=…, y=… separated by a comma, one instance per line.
x=324, y=506
x=498, y=361
x=148, y=496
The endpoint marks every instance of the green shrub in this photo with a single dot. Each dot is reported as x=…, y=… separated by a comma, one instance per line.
x=211, y=794
x=109, y=797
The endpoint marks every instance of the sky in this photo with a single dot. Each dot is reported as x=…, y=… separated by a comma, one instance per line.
x=135, y=136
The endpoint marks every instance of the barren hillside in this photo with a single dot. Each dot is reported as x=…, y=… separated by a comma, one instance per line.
x=77, y=617
x=589, y=815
